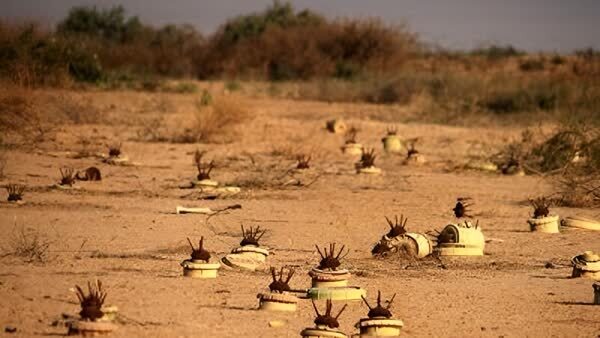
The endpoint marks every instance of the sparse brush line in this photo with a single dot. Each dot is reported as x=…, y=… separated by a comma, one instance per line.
x=124, y=255
x=265, y=220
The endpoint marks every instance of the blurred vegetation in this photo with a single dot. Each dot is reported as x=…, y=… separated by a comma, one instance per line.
x=570, y=155
x=354, y=60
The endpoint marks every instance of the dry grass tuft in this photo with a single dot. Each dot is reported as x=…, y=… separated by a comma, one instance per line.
x=21, y=115
x=570, y=155
x=578, y=190
x=33, y=116
x=3, y=161
x=78, y=110
x=29, y=244
x=571, y=147
x=215, y=123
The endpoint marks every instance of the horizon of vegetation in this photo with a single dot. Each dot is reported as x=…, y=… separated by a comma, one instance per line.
x=346, y=60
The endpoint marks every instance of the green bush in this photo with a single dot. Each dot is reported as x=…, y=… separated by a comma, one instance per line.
x=41, y=58
x=109, y=24
x=84, y=66
x=531, y=65
x=497, y=52
x=506, y=102
x=233, y=85
x=587, y=53
x=281, y=44
x=347, y=70
x=278, y=14
x=557, y=60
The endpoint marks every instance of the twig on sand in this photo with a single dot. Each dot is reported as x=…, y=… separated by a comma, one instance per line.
x=219, y=211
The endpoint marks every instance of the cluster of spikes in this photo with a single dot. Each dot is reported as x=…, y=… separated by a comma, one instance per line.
x=327, y=319
x=67, y=176
x=398, y=227
x=114, y=150
x=251, y=236
x=540, y=206
x=279, y=284
x=392, y=131
x=351, y=135
x=15, y=192
x=91, y=304
x=512, y=165
x=204, y=169
x=303, y=161
x=461, y=209
x=411, y=147
x=330, y=260
x=379, y=310
x=199, y=254
x=367, y=159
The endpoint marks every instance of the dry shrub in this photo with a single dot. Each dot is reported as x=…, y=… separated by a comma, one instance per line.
x=3, y=161
x=30, y=57
x=333, y=90
x=77, y=110
x=215, y=123
x=29, y=244
x=287, y=150
x=574, y=147
x=577, y=190
x=34, y=116
x=282, y=44
x=21, y=115
x=570, y=155
x=579, y=184
x=152, y=130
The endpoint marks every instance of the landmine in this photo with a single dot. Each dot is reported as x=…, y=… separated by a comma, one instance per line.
x=93, y=319
x=249, y=255
x=398, y=239
x=115, y=157
x=581, y=223
x=391, y=142
x=336, y=126
x=15, y=193
x=379, y=322
x=461, y=239
x=587, y=265
x=541, y=221
x=67, y=179
x=366, y=164
x=326, y=326
x=330, y=283
x=279, y=297
x=199, y=266
x=203, y=181
x=413, y=156
x=351, y=146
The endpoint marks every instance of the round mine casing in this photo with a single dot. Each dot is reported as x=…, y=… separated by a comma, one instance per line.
x=277, y=302
x=549, y=224
x=466, y=240
x=200, y=269
x=392, y=144
x=380, y=327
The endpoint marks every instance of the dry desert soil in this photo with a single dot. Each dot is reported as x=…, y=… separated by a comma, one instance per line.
x=124, y=230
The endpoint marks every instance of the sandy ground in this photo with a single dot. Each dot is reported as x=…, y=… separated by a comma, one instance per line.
x=123, y=230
